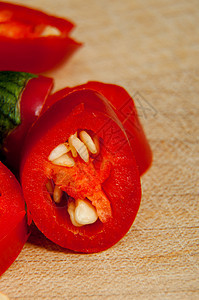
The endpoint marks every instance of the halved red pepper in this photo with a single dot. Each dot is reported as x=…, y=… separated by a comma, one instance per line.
x=13, y=225
x=124, y=107
x=32, y=41
x=22, y=96
x=81, y=199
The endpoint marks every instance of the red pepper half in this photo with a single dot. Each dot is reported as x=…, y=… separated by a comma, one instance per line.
x=82, y=197
x=22, y=96
x=13, y=226
x=32, y=41
x=124, y=107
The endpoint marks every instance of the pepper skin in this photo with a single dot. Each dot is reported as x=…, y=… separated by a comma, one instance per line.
x=22, y=96
x=124, y=107
x=13, y=226
x=32, y=41
x=110, y=179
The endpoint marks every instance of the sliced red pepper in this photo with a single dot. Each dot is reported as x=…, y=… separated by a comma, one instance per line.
x=13, y=226
x=124, y=107
x=32, y=41
x=22, y=96
x=106, y=181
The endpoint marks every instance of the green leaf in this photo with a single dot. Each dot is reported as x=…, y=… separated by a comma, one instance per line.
x=12, y=85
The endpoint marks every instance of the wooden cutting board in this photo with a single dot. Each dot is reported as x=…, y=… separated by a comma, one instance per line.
x=152, y=49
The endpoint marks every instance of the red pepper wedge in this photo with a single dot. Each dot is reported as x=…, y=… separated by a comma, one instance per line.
x=32, y=41
x=109, y=179
x=13, y=225
x=124, y=107
x=22, y=96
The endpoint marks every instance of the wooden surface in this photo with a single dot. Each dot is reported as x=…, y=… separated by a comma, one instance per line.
x=152, y=49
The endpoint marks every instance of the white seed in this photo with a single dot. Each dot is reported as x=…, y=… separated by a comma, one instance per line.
x=58, y=151
x=71, y=211
x=85, y=212
x=65, y=161
x=57, y=194
x=50, y=30
x=73, y=150
x=87, y=140
x=96, y=142
x=49, y=186
x=80, y=147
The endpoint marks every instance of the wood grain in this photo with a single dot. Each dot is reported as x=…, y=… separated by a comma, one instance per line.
x=151, y=48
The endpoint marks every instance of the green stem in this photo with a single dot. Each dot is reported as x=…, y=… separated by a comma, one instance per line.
x=12, y=85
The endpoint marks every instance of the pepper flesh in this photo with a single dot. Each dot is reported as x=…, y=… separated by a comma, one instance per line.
x=13, y=226
x=119, y=181
x=25, y=47
x=124, y=107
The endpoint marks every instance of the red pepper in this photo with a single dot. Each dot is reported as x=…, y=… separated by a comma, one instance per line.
x=32, y=41
x=124, y=107
x=13, y=227
x=105, y=180
x=22, y=96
